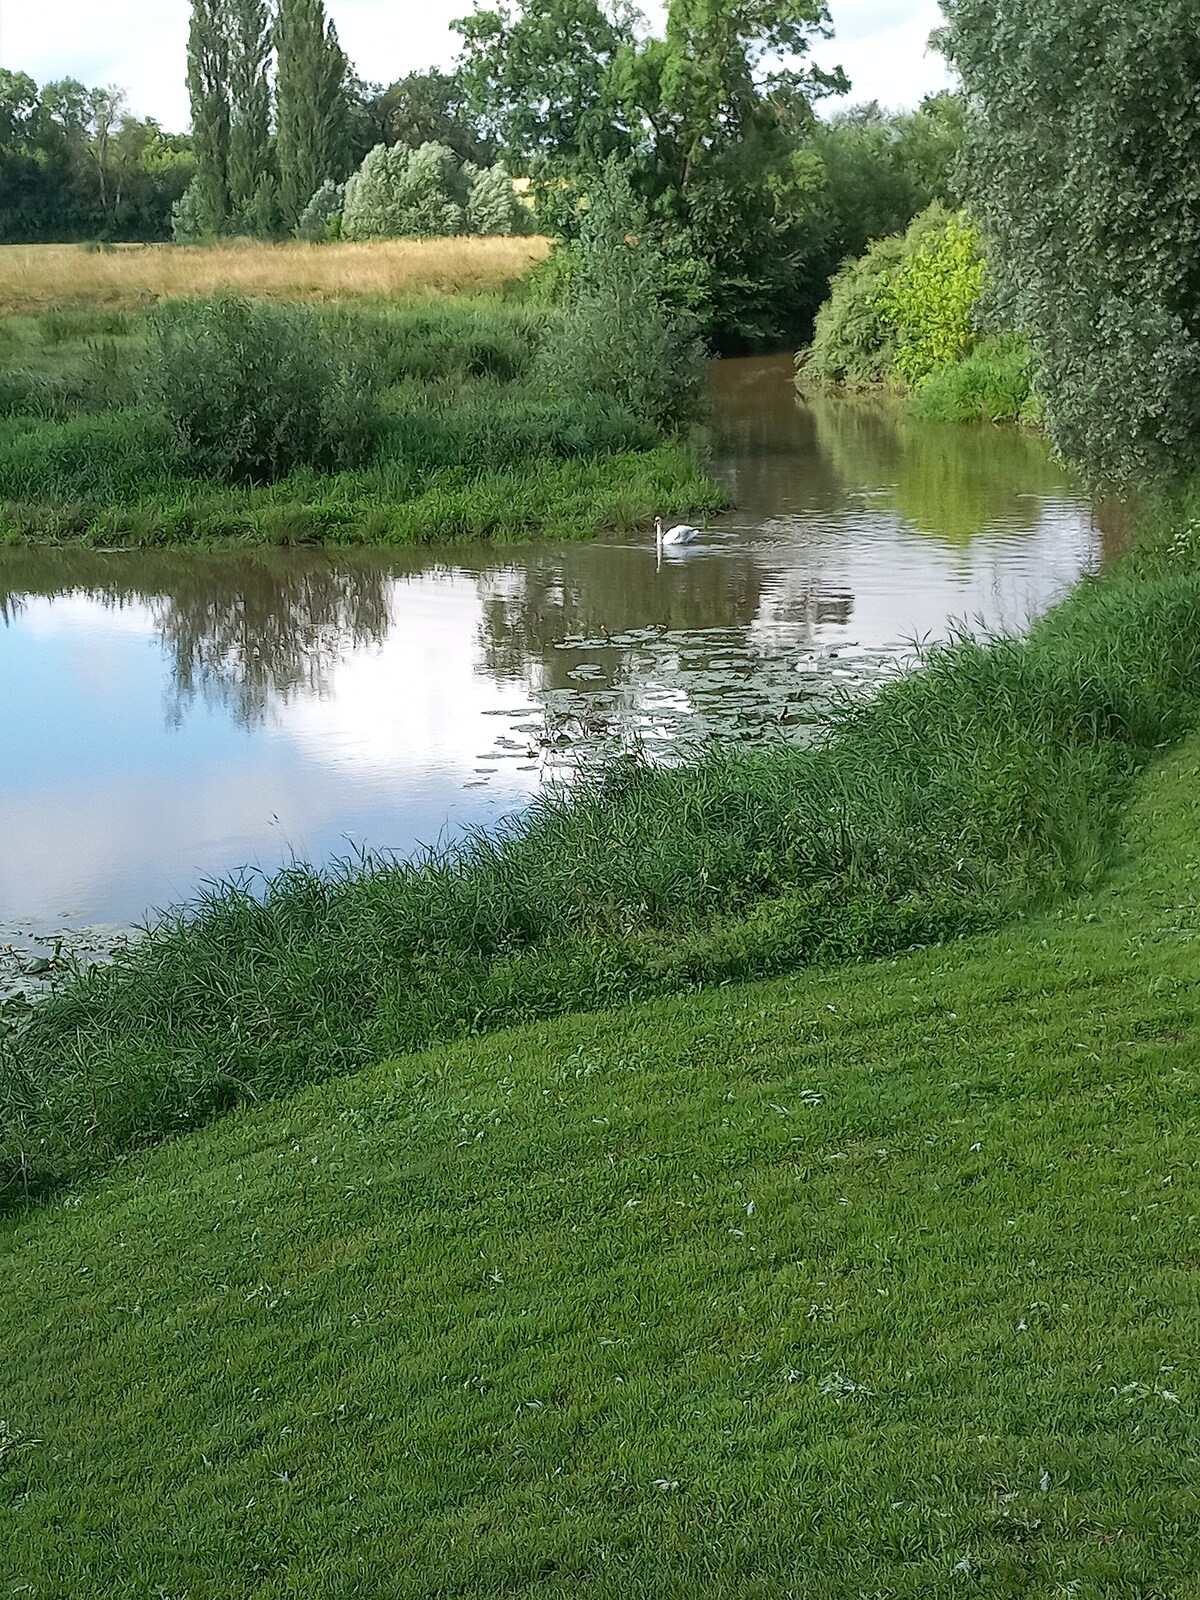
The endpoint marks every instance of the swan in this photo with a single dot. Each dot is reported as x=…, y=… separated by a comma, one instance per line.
x=681, y=533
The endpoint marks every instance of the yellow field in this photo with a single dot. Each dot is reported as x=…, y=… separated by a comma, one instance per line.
x=37, y=278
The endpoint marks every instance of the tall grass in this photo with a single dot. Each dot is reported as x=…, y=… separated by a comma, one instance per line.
x=980, y=785
x=36, y=278
x=994, y=383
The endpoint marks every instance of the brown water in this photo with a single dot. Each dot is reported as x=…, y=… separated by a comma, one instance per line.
x=175, y=717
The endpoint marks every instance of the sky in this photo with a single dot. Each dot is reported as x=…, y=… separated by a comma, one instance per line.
x=140, y=45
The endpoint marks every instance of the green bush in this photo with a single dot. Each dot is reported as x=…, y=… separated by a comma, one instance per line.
x=905, y=308
x=931, y=299
x=623, y=335
x=252, y=390
x=400, y=193
x=854, y=341
x=321, y=217
x=493, y=207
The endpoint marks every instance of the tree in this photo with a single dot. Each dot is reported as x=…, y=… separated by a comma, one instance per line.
x=623, y=287
x=432, y=108
x=534, y=74
x=312, y=108
x=208, y=87
x=492, y=203
x=251, y=187
x=710, y=114
x=399, y=193
x=105, y=109
x=1083, y=161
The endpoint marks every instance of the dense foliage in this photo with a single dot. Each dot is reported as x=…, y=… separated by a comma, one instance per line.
x=426, y=193
x=75, y=165
x=715, y=121
x=906, y=308
x=623, y=335
x=253, y=390
x=1084, y=165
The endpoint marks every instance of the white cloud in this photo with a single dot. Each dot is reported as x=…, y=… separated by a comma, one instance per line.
x=141, y=45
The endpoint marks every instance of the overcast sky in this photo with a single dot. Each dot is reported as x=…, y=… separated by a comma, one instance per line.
x=140, y=45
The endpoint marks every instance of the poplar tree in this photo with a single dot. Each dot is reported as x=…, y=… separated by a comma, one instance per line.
x=251, y=188
x=208, y=87
x=312, y=106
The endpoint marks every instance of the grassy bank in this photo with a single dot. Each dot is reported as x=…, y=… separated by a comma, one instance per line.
x=873, y=1281
x=465, y=441
x=48, y=278
x=972, y=791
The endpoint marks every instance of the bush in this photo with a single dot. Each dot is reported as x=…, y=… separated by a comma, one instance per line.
x=854, y=342
x=904, y=309
x=252, y=390
x=399, y=193
x=493, y=206
x=931, y=299
x=622, y=335
x=187, y=216
x=321, y=217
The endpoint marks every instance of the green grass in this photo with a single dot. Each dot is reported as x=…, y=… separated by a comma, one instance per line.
x=874, y=1281
x=992, y=384
x=976, y=789
x=467, y=446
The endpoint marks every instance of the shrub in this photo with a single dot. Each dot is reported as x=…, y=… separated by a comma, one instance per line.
x=854, y=341
x=322, y=214
x=252, y=390
x=904, y=309
x=622, y=335
x=931, y=298
x=493, y=206
x=992, y=384
x=187, y=216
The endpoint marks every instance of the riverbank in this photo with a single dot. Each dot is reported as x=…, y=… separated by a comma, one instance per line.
x=966, y=794
x=882, y=1274
x=438, y=425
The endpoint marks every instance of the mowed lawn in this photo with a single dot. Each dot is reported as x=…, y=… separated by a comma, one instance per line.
x=39, y=278
x=881, y=1281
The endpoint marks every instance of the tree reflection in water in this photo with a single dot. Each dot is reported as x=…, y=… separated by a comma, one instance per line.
x=239, y=631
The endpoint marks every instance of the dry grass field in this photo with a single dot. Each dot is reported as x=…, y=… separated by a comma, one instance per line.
x=37, y=278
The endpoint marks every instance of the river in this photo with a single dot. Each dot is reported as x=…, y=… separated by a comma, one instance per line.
x=169, y=718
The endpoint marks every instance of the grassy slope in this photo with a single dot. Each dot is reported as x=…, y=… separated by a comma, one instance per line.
x=879, y=1281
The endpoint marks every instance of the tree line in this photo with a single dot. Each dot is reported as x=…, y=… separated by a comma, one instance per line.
x=74, y=164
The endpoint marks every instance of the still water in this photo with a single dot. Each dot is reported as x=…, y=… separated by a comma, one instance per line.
x=170, y=718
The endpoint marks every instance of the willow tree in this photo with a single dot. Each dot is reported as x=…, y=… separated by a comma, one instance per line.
x=1083, y=158
x=312, y=106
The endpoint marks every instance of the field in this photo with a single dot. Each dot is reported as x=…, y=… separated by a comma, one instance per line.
x=39, y=278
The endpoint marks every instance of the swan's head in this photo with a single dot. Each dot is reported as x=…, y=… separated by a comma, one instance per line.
x=658, y=527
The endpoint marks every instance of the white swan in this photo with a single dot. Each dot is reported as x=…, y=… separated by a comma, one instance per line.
x=681, y=533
